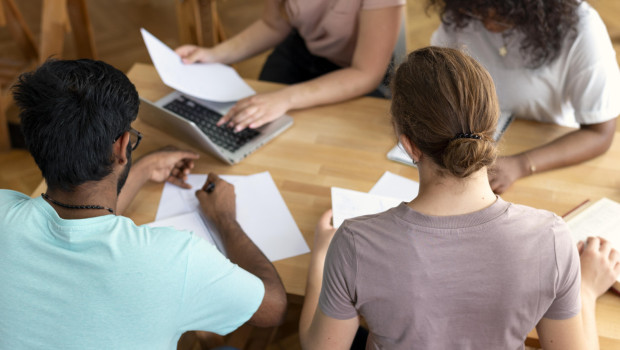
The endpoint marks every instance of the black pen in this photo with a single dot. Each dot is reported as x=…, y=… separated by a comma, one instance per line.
x=210, y=187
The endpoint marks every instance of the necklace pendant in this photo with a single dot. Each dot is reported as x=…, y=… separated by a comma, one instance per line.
x=503, y=51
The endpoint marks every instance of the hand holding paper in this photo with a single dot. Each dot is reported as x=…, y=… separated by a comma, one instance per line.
x=195, y=54
x=209, y=81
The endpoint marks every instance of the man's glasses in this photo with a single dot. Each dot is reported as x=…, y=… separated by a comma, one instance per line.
x=134, y=138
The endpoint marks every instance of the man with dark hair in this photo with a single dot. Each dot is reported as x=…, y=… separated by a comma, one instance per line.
x=75, y=273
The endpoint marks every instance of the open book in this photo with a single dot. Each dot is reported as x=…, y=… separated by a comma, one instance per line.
x=602, y=219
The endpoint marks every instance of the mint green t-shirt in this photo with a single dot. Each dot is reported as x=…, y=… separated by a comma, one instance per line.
x=105, y=283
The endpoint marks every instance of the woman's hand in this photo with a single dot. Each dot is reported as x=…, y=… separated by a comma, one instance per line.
x=193, y=54
x=324, y=232
x=600, y=266
x=506, y=171
x=256, y=110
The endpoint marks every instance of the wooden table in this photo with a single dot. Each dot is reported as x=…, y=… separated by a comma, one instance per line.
x=340, y=145
x=345, y=145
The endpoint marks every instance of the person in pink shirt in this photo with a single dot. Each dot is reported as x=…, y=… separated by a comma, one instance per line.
x=327, y=50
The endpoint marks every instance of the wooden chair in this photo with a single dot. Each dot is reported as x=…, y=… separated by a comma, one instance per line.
x=199, y=22
x=10, y=68
x=58, y=17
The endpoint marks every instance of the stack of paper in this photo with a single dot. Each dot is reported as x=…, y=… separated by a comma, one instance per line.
x=261, y=212
x=388, y=192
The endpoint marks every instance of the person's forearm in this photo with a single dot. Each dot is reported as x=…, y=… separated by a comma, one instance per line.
x=337, y=86
x=138, y=176
x=313, y=291
x=242, y=251
x=572, y=148
x=253, y=40
x=588, y=315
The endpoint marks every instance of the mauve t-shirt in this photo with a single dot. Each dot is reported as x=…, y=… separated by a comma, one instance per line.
x=330, y=27
x=476, y=281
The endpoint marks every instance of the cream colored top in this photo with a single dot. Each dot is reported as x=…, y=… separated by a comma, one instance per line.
x=329, y=27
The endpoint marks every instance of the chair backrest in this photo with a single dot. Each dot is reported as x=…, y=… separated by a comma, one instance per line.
x=199, y=22
x=58, y=17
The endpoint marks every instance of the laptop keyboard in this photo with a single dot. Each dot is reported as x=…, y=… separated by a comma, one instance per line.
x=205, y=119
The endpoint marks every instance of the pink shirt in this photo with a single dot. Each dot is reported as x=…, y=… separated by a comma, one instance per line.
x=329, y=27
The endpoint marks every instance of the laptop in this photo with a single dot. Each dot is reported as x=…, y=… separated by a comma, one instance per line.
x=193, y=120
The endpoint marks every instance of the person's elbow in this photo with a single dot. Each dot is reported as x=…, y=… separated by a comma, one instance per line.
x=308, y=341
x=605, y=133
x=368, y=78
x=272, y=310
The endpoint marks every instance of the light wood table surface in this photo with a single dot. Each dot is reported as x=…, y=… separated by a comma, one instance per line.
x=345, y=145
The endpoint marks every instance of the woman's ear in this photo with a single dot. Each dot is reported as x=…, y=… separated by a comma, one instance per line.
x=120, y=148
x=412, y=150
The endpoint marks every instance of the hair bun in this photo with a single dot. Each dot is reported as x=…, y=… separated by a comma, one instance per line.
x=466, y=155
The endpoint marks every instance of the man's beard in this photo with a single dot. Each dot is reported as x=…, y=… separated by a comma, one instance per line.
x=123, y=177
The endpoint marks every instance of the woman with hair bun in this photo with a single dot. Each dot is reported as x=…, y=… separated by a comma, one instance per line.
x=457, y=267
x=552, y=61
x=327, y=50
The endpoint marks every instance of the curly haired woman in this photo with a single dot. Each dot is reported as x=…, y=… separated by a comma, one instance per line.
x=552, y=61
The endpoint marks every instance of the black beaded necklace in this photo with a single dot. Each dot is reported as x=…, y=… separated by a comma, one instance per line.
x=70, y=206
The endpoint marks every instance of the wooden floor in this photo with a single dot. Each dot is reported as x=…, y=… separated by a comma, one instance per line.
x=118, y=42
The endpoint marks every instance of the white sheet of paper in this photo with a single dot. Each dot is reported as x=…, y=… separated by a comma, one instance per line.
x=264, y=216
x=261, y=212
x=396, y=186
x=210, y=81
x=176, y=201
x=348, y=204
x=191, y=221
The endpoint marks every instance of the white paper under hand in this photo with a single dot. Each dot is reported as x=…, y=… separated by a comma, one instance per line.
x=261, y=212
x=210, y=81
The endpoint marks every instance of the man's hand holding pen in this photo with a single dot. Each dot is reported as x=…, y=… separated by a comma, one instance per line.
x=217, y=200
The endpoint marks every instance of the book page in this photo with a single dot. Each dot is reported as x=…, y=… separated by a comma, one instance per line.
x=600, y=219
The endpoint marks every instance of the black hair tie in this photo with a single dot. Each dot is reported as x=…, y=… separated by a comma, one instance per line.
x=466, y=136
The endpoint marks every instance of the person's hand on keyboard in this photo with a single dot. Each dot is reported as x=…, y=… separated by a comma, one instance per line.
x=256, y=110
